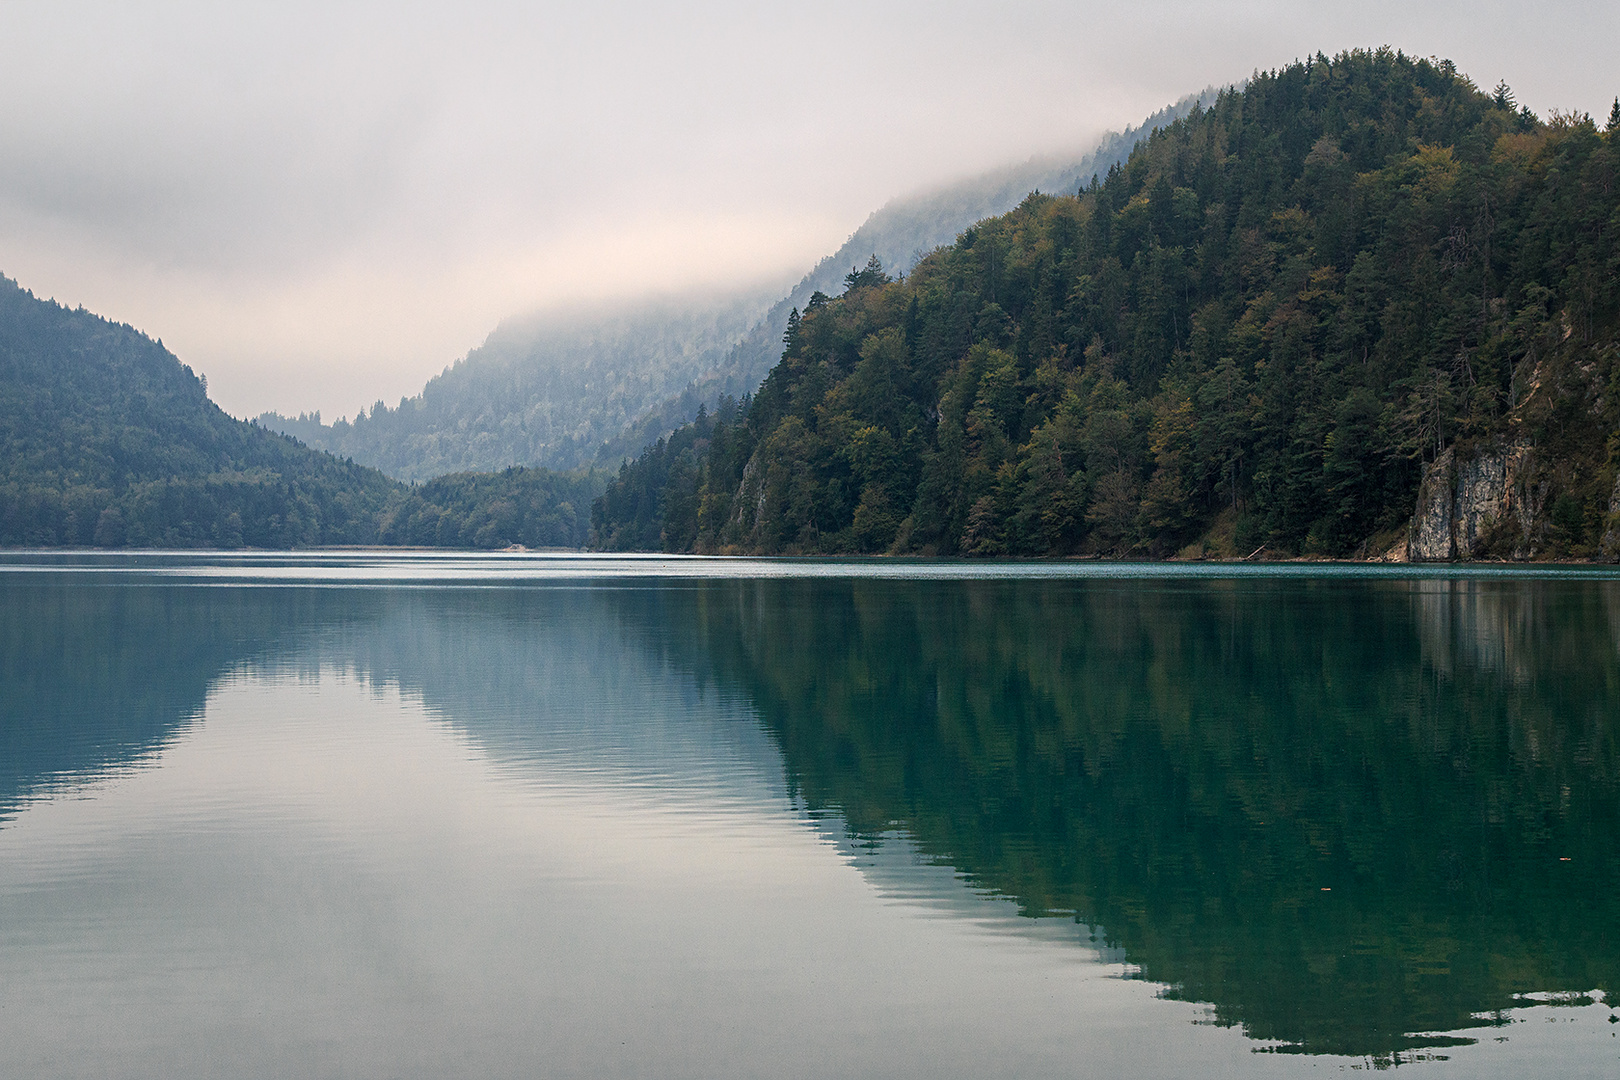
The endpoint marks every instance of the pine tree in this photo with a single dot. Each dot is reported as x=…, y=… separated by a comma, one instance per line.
x=867, y=277
x=790, y=339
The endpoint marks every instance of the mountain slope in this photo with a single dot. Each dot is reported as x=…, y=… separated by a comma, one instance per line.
x=566, y=392
x=106, y=438
x=1265, y=330
x=540, y=391
x=900, y=234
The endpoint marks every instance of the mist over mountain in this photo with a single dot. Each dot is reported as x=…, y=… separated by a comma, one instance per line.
x=1358, y=307
x=548, y=389
x=899, y=235
x=595, y=387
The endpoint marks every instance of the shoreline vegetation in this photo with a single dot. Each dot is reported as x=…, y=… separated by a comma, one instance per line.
x=1529, y=565
x=1357, y=310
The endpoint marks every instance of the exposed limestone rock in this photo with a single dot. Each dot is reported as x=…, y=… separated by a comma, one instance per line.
x=1481, y=496
x=1610, y=545
x=749, y=506
x=1463, y=506
x=1524, y=489
x=1430, y=538
x=1397, y=553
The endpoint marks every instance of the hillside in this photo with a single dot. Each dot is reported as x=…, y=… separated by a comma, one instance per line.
x=899, y=235
x=534, y=508
x=1279, y=318
x=107, y=440
x=544, y=391
x=597, y=387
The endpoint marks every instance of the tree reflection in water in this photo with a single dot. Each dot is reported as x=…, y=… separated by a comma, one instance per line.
x=1350, y=815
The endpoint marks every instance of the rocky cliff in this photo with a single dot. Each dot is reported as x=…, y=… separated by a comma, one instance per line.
x=1489, y=499
x=1493, y=500
x=1611, y=534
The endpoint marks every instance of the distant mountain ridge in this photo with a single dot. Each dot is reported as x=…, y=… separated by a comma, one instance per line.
x=595, y=388
x=542, y=390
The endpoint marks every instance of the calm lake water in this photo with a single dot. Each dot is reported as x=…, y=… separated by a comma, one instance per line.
x=422, y=816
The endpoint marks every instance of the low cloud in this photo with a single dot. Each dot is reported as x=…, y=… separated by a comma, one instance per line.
x=319, y=206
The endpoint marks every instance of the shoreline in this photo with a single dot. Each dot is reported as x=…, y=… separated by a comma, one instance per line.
x=1012, y=560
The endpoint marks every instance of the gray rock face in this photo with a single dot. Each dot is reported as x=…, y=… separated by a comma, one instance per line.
x=1610, y=545
x=1463, y=505
x=1431, y=538
x=1481, y=494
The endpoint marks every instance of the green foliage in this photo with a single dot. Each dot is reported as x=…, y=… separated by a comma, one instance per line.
x=107, y=440
x=1261, y=326
x=533, y=508
x=677, y=487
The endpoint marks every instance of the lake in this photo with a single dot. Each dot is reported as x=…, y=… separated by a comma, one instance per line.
x=400, y=815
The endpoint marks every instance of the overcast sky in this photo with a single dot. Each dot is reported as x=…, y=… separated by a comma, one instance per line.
x=318, y=206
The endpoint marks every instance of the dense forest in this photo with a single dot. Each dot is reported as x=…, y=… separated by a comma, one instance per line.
x=549, y=390
x=595, y=387
x=534, y=508
x=1256, y=333
x=106, y=439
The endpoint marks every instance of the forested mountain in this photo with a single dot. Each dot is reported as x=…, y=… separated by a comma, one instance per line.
x=1261, y=330
x=106, y=439
x=541, y=391
x=898, y=235
x=598, y=387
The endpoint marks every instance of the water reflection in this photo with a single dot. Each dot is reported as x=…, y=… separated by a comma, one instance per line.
x=98, y=677
x=1343, y=813
x=1350, y=815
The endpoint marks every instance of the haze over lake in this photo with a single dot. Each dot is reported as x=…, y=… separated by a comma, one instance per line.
x=404, y=815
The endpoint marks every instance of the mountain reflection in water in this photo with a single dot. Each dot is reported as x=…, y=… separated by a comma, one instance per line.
x=1350, y=815
x=1341, y=812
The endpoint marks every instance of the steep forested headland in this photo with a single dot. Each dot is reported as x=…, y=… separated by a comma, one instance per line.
x=1282, y=315
x=899, y=234
x=106, y=439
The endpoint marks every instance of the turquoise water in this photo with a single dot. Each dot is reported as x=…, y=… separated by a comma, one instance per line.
x=416, y=815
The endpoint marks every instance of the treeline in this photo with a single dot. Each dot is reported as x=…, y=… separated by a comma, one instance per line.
x=1255, y=332
x=533, y=508
x=107, y=440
